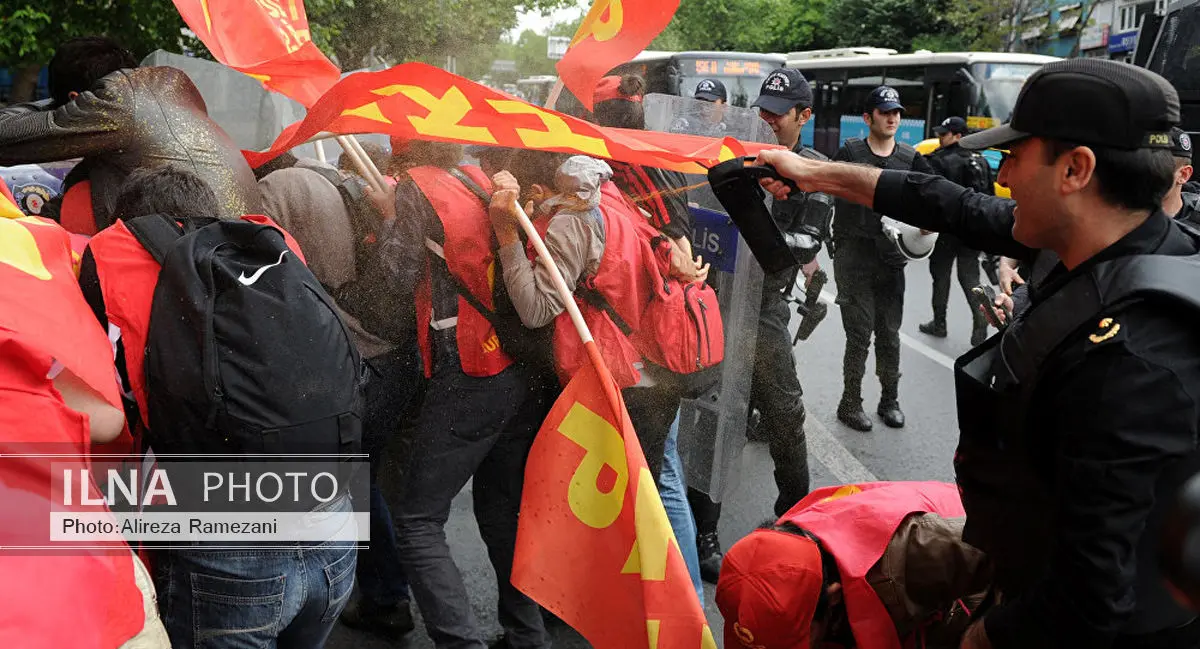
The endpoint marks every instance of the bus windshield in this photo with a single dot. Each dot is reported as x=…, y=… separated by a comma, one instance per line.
x=1177, y=54
x=999, y=85
x=742, y=77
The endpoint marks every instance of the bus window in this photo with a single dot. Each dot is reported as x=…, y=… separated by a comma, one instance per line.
x=825, y=125
x=742, y=77
x=999, y=85
x=1176, y=57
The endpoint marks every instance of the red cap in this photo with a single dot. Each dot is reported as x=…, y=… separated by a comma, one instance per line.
x=609, y=88
x=768, y=590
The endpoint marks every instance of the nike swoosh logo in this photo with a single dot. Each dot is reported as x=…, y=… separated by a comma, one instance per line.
x=249, y=281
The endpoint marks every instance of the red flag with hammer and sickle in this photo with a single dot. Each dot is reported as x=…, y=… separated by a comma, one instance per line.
x=266, y=39
x=612, y=33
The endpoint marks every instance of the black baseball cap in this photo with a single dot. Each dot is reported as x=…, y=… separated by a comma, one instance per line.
x=783, y=89
x=885, y=98
x=711, y=90
x=1181, y=143
x=956, y=125
x=1093, y=102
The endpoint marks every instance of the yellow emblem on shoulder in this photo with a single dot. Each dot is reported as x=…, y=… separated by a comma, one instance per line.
x=1108, y=329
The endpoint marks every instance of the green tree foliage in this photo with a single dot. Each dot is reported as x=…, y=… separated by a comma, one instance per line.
x=358, y=32
x=29, y=31
x=897, y=24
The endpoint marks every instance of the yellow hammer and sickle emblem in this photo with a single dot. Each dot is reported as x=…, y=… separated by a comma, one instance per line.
x=595, y=26
x=1108, y=329
x=19, y=249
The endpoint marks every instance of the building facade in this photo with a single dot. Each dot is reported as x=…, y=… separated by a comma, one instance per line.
x=1091, y=28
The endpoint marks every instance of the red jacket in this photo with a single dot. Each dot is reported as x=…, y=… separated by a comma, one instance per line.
x=624, y=279
x=856, y=523
x=471, y=259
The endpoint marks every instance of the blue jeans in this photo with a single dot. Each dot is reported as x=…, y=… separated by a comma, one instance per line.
x=673, y=492
x=290, y=599
x=254, y=598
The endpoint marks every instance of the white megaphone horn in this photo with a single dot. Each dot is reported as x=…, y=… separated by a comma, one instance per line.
x=909, y=240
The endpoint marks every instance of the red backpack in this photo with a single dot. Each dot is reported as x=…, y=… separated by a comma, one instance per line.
x=680, y=327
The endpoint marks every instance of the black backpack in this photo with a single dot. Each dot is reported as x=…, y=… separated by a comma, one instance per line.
x=977, y=174
x=245, y=352
x=369, y=297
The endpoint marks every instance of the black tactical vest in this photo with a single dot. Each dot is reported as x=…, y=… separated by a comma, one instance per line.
x=858, y=221
x=1007, y=504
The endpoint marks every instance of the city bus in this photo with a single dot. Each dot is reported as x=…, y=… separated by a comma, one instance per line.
x=978, y=86
x=1170, y=46
x=678, y=73
x=536, y=89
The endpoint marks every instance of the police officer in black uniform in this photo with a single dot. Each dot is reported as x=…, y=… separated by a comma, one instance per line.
x=869, y=269
x=710, y=122
x=1180, y=203
x=785, y=102
x=969, y=169
x=1079, y=423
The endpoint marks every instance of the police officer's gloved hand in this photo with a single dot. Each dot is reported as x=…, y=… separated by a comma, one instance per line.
x=804, y=244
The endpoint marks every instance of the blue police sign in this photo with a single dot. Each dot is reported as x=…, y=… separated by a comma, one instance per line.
x=715, y=238
x=1123, y=42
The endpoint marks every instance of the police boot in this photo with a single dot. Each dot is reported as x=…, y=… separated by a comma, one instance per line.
x=850, y=412
x=979, y=329
x=889, y=404
x=935, y=328
x=390, y=622
x=709, y=549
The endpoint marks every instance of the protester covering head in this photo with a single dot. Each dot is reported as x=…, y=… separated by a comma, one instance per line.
x=618, y=102
x=407, y=154
x=772, y=589
x=577, y=183
x=170, y=191
x=535, y=172
x=80, y=62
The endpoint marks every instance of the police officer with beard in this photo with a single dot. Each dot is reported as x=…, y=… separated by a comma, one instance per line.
x=869, y=269
x=785, y=102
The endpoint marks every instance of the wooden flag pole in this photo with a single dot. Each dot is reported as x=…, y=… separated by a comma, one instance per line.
x=360, y=162
x=379, y=177
x=560, y=285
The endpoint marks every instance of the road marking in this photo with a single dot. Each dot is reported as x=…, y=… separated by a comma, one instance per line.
x=837, y=458
x=916, y=345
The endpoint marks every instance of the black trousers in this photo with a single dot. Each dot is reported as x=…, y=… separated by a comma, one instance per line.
x=776, y=392
x=948, y=251
x=871, y=297
x=479, y=428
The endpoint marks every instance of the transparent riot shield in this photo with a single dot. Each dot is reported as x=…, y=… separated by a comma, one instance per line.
x=712, y=428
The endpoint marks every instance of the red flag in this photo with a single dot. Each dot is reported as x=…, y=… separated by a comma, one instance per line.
x=266, y=39
x=419, y=101
x=612, y=33
x=593, y=543
x=42, y=306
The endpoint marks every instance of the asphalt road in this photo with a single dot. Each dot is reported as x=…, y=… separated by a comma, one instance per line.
x=920, y=451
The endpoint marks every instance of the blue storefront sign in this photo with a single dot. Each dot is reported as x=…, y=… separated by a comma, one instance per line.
x=1123, y=42
x=715, y=238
